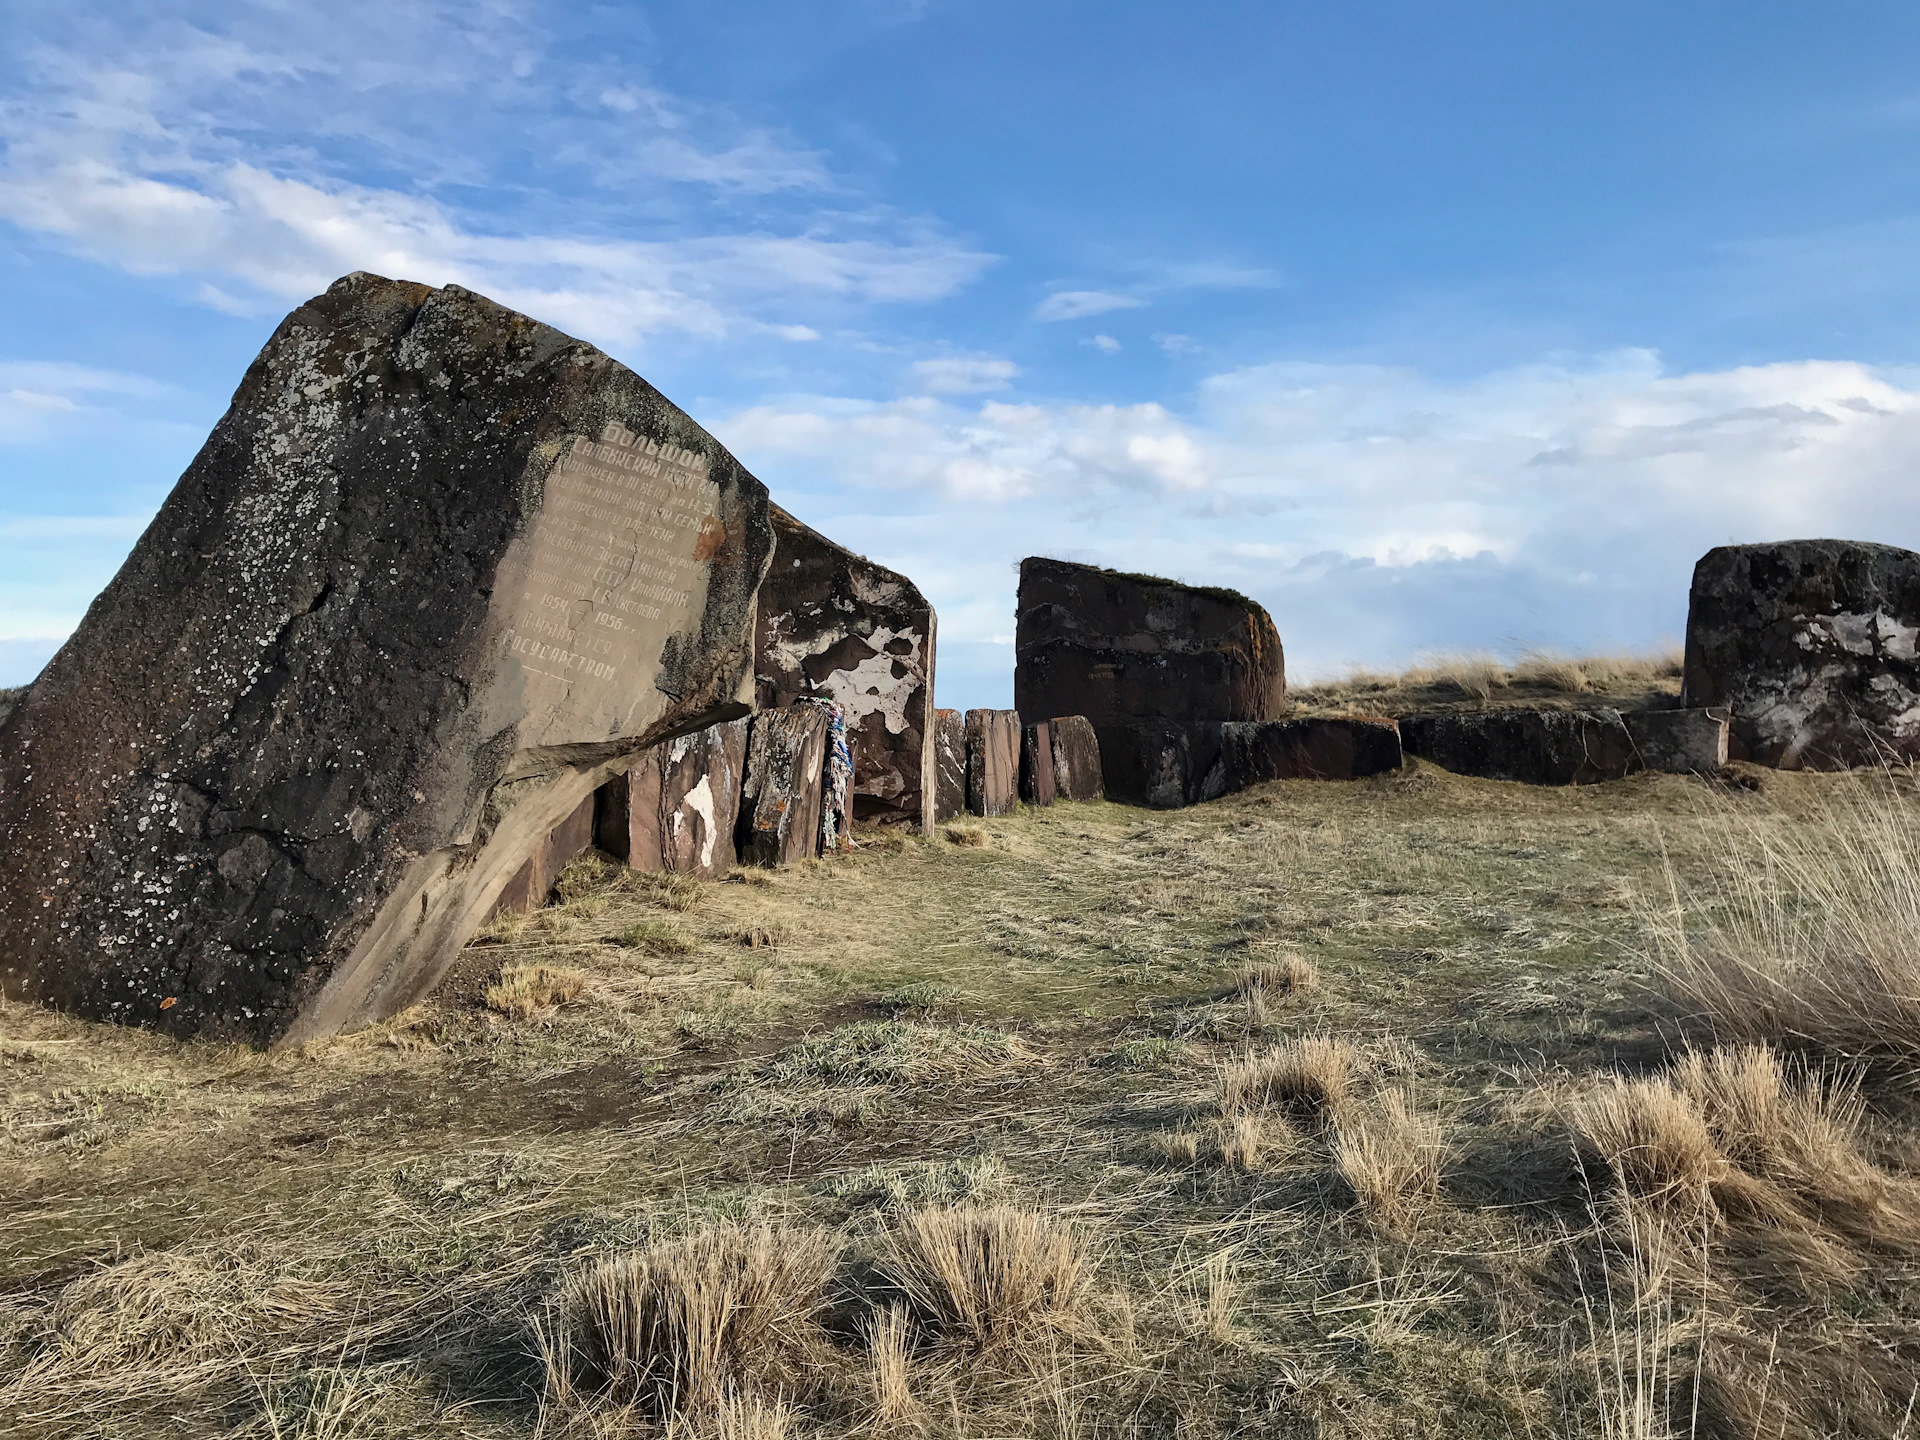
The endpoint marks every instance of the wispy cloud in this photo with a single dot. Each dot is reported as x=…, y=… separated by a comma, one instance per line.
x=1079, y=304
x=964, y=374
x=36, y=396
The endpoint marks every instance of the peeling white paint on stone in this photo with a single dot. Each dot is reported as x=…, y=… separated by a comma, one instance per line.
x=700, y=801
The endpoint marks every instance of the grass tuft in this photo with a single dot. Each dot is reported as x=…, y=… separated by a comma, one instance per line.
x=655, y=937
x=985, y=1276
x=1391, y=1155
x=524, y=989
x=1307, y=1078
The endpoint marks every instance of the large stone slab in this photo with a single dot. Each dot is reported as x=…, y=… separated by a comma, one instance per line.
x=532, y=883
x=1117, y=647
x=993, y=761
x=1168, y=763
x=1811, y=645
x=677, y=806
x=1534, y=747
x=1680, y=741
x=950, y=764
x=839, y=627
x=438, y=572
x=780, y=803
x=1036, y=764
x=1076, y=759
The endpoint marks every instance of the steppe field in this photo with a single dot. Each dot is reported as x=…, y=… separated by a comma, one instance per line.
x=1416, y=1106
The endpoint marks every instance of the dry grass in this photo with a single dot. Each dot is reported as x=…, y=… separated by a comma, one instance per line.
x=689, y=1326
x=984, y=1276
x=1307, y=1078
x=969, y=835
x=1477, y=679
x=1284, y=976
x=1805, y=933
x=524, y=989
x=654, y=937
x=1391, y=1153
x=896, y=1409
x=763, y=937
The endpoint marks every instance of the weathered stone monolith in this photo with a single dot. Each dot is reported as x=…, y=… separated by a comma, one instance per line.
x=993, y=761
x=1076, y=759
x=1535, y=747
x=1171, y=763
x=839, y=627
x=1811, y=644
x=780, y=802
x=950, y=764
x=1036, y=764
x=677, y=806
x=1116, y=647
x=438, y=573
x=1680, y=741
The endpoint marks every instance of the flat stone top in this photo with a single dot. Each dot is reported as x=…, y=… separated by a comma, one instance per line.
x=1043, y=580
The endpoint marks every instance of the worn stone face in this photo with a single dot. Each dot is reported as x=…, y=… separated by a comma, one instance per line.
x=950, y=764
x=993, y=761
x=1535, y=747
x=1680, y=741
x=436, y=574
x=533, y=881
x=678, y=805
x=1036, y=764
x=780, y=802
x=839, y=627
x=1076, y=759
x=1811, y=644
x=1117, y=647
x=1169, y=763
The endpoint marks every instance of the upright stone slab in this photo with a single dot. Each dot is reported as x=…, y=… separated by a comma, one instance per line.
x=678, y=805
x=839, y=627
x=993, y=761
x=950, y=764
x=533, y=881
x=1036, y=764
x=1679, y=741
x=1116, y=647
x=1171, y=763
x=1811, y=644
x=780, y=803
x=438, y=573
x=1076, y=759
x=1535, y=747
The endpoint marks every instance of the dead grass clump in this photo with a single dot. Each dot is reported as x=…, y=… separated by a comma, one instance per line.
x=887, y=1051
x=690, y=1327
x=586, y=874
x=1806, y=934
x=1653, y=1138
x=668, y=889
x=1391, y=1154
x=969, y=835
x=1553, y=671
x=1472, y=674
x=1282, y=977
x=763, y=937
x=1245, y=1141
x=890, y=1373
x=524, y=989
x=655, y=937
x=987, y=1275
x=1307, y=1078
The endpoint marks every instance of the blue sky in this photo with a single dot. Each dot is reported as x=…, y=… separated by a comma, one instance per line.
x=1431, y=326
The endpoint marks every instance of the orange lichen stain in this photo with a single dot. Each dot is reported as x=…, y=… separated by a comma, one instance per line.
x=169, y=1002
x=712, y=536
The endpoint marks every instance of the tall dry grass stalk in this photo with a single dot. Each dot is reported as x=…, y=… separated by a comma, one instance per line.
x=896, y=1409
x=1305, y=1077
x=1391, y=1154
x=987, y=1274
x=687, y=1326
x=1805, y=933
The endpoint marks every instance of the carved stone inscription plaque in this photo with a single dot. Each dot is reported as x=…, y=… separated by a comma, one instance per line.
x=615, y=563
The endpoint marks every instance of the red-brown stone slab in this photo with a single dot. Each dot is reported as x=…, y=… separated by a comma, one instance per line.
x=678, y=806
x=533, y=882
x=993, y=761
x=780, y=803
x=1076, y=759
x=950, y=764
x=1036, y=764
x=1680, y=741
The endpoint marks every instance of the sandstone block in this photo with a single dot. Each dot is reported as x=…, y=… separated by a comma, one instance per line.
x=781, y=802
x=1036, y=764
x=1811, y=645
x=1534, y=747
x=1680, y=741
x=678, y=805
x=835, y=626
x=950, y=764
x=1076, y=759
x=438, y=573
x=993, y=761
x=1118, y=647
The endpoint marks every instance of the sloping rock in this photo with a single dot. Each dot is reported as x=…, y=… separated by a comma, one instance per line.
x=1811, y=644
x=993, y=761
x=780, y=803
x=438, y=572
x=677, y=806
x=950, y=764
x=1680, y=741
x=1168, y=764
x=1534, y=747
x=1076, y=759
x=1118, y=647
x=533, y=882
x=839, y=627
x=1036, y=764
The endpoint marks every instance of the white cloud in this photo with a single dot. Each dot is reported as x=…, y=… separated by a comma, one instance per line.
x=1079, y=304
x=1105, y=343
x=1177, y=344
x=37, y=395
x=1377, y=511
x=964, y=374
